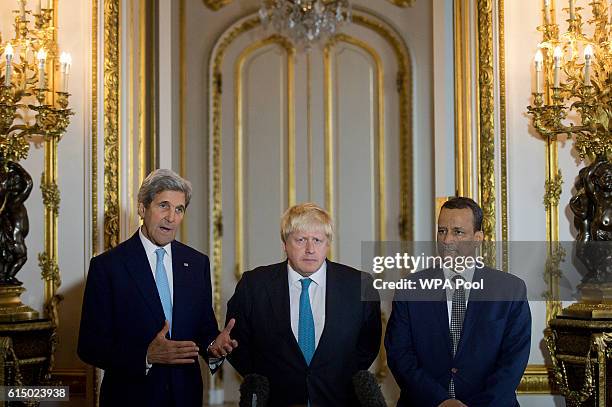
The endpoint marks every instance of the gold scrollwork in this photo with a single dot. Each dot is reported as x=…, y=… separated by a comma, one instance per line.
x=94, y=129
x=403, y=3
x=537, y=379
x=111, y=123
x=487, y=122
x=50, y=196
x=216, y=5
x=575, y=397
x=49, y=268
x=553, y=190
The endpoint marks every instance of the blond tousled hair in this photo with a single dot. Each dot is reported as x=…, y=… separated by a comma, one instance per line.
x=306, y=217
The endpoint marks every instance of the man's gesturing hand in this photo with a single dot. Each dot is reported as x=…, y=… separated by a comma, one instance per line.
x=166, y=351
x=223, y=344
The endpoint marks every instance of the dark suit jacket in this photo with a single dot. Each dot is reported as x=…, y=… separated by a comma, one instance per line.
x=266, y=345
x=492, y=353
x=122, y=313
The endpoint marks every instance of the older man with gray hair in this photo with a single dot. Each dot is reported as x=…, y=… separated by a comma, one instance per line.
x=147, y=309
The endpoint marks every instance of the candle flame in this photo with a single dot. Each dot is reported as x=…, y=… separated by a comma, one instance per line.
x=539, y=57
x=41, y=55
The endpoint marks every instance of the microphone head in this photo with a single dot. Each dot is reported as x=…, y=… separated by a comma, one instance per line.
x=254, y=384
x=367, y=390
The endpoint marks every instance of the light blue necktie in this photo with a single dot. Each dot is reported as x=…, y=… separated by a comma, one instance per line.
x=306, y=330
x=163, y=288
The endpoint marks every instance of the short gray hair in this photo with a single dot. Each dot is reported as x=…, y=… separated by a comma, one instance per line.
x=162, y=180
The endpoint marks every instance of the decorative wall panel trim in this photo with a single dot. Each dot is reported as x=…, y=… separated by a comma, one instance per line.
x=239, y=138
x=111, y=123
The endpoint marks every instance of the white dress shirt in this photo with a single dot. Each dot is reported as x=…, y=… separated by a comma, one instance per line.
x=468, y=275
x=150, y=248
x=316, y=292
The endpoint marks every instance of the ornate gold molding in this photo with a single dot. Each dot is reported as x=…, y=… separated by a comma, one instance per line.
x=111, y=123
x=486, y=126
x=402, y=3
x=553, y=189
x=216, y=5
x=94, y=129
x=50, y=196
x=503, y=144
x=537, y=379
x=464, y=84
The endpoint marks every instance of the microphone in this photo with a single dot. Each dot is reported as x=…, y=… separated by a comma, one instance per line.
x=367, y=390
x=254, y=391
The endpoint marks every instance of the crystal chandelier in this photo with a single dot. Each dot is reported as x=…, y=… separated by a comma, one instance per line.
x=305, y=21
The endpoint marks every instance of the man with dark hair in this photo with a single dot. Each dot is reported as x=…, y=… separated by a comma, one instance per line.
x=147, y=309
x=456, y=346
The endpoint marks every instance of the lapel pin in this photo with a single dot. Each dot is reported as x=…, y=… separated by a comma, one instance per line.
x=186, y=264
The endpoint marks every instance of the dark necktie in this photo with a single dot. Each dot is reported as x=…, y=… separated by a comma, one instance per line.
x=457, y=315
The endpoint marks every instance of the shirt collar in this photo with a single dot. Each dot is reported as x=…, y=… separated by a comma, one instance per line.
x=467, y=274
x=150, y=247
x=318, y=277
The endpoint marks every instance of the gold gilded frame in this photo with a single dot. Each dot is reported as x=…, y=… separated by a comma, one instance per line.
x=238, y=137
x=112, y=151
x=216, y=5
x=536, y=379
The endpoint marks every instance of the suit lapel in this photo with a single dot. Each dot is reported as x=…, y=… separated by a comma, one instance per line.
x=441, y=311
x=278, y=293
x=333, y=305
x=181, y=283
x=139, y=268
x=473, y=312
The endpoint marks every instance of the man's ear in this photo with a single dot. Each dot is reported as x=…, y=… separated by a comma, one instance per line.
x=479, y=236
x=141, y=209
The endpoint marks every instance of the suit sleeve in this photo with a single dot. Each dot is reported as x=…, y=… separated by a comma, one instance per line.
x=99, y=343
x=513, y=357
x=239, y=308
x=210, y=330
x=371, y=330
x=403, y=362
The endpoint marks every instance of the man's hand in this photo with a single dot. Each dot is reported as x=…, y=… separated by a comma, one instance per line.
x=166, y=351
x=452, y=403
x=223, y=344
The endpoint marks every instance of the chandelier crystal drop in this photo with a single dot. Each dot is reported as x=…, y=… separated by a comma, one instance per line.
x=305, y=21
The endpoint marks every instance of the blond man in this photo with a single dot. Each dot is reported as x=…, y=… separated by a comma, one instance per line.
x=303, y=323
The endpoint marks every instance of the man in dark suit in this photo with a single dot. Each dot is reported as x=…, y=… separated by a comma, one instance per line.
x=302, y=323
x=147, y=309
x=457, y=347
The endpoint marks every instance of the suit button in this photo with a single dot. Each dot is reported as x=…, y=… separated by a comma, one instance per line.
x=454, y=370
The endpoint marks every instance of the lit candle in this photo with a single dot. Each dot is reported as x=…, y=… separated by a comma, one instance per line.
x=65, y=62
x=571, y=10
x=539, y=58
x=557, y=67
x=546, y=12
x=8, y=52
x=588, y=56
x=41, y=56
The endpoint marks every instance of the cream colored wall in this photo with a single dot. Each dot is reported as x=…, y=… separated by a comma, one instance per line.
x=74, y=27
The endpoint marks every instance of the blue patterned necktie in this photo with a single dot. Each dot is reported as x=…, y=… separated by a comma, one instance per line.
x=163, y=288
x=306, y=330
